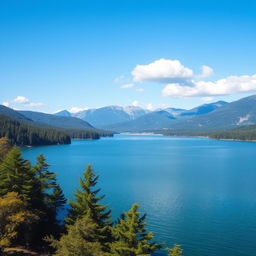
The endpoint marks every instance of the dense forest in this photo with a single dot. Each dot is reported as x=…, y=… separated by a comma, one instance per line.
x=22, y=133
x=88, y=134
x=246, y=133
x=31, y=200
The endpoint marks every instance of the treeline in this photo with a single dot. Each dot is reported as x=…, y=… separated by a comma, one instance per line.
x=30, y=200
x=24, y=134
x=88, y=134
x=246, y=133
x=20, y=133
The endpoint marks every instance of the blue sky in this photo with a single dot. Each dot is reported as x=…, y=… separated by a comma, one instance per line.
x=79, y=54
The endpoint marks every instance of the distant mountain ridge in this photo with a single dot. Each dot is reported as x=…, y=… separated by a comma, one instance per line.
x=133, y=118
x=13, y=114
x=108, y=115
x=63, y=113
x=36, y=128
x=163, y=119
x=232, y=115
x=207, y=117
x=64, y=122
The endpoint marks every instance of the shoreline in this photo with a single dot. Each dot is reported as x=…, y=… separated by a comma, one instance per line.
x=235, y=140
x=142, y=133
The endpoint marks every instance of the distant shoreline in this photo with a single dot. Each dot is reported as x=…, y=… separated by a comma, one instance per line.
x=142, y=133
x=235, y=140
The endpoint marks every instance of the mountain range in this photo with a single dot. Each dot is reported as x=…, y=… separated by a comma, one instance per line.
x=228, y=116
x=136, y=119
x=102, y=117
x=207, y=117
x=64, y=122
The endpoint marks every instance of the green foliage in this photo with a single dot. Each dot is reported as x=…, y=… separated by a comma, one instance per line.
x=80, y=240
x=247, y=133
x=14, y=217
x=21, y=133
x=5, y=147
x=175, y=251
x=87, y=203
x=37, y=188
x=48, y=198
x=131, y=236
x=30, y=199
x=87, y=134
x=16, y=175
x=57, y=199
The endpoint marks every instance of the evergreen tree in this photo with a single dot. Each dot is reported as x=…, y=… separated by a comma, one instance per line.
x=16, y=175
x=5, y=147
x=87, y=202
x=175, y=251
x=46, y=182
x=49, y=198
x=46, y=178
x=80, y=240
x=57, y=199
x=50, y=192
x=131, y=236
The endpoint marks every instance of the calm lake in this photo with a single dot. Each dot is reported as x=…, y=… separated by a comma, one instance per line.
x=197, y=192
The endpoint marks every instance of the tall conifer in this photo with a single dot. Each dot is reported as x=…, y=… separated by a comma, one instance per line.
x=16, y=175
x=131, y=236
x=87, y=202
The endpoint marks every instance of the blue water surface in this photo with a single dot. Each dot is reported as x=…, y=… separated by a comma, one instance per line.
x=197, y=192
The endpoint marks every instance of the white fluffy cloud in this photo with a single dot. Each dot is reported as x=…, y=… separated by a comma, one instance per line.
x=182, y=81
x=162, y=71
x=226, y=86
x=206, y=72
x=140, y=90
x=20, y=100
x=126, y=86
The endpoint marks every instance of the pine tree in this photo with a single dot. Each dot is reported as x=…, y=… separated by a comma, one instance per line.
x=16, y=175
x=175, y=251
x=5, y=147
x=49, y=198
x=46, y=178
x=131, y=236
x=80, y=240
x=49, y=192
x=88, y=203
x=57, y=199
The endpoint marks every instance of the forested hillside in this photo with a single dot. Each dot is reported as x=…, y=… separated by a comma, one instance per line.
x=44, y=129
x=25, y=134
x=87, y=134
x=65, y=122
x=247, y=133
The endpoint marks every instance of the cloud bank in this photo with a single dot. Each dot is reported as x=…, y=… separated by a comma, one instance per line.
x=162, y=71
x=21, y=100
x=226, y=86
x=181, y=81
